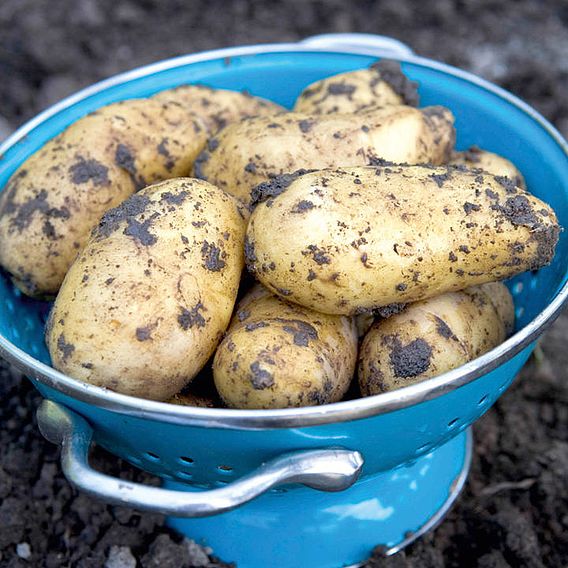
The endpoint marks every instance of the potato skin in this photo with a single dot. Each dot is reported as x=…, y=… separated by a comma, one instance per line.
x=357, y=239
x=382, y=84
x=476, y=158
x=434, y=336
x=145, y=304
x=58, y=195
x=218, y=107
x=244, y=155
x=278, y=355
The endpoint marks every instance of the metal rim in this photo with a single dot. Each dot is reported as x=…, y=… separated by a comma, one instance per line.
x=298, y=417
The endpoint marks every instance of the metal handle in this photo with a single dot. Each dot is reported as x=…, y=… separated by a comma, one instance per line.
x=325, y=470
x=382, y=45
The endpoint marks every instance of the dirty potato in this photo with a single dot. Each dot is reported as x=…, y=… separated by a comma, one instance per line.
x=382, y=84
x=188, y=398
x=357, y=239
x=476, y=158
x=434, y=336
x=278, y=355
x=58, y=195
x=147, y=301
x=218, y=107
x=200, y=392
x=247, y=154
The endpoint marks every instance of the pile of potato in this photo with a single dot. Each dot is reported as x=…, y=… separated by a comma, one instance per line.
x=378, y=250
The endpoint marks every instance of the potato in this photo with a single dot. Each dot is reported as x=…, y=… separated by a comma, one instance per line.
x=254, y=151
x=218, y=107
x=434, y=336
x=382, y=84
x=489, y=162
x=278, y=355
x=357, y=239
x=200, y=392
x=147, y=301
x=188, y=398
x=58, y=195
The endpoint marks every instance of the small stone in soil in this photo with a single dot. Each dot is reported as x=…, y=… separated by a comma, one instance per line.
x=23, y=550
x=197, y=555
x=120, y=557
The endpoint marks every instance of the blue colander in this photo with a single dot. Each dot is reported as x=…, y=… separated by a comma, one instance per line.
x=317, y=486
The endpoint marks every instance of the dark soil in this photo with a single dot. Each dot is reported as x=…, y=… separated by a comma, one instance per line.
x=514, y=511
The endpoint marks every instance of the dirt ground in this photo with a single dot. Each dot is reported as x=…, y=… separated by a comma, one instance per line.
x=514, y=511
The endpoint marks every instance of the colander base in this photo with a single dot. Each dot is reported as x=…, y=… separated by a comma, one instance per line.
x=297, y=527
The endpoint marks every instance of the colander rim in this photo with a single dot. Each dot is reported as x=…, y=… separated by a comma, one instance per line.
x=297, y=417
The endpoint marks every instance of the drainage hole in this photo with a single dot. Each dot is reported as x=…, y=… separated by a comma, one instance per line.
x=186, y=461
x=225, y=469
x=453, y=422
x=518, y=288
x=152, y=456
x=184, y=475
x=483, y=400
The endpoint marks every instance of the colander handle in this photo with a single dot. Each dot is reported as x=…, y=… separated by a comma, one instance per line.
x=382, y=45
x=325, y=470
